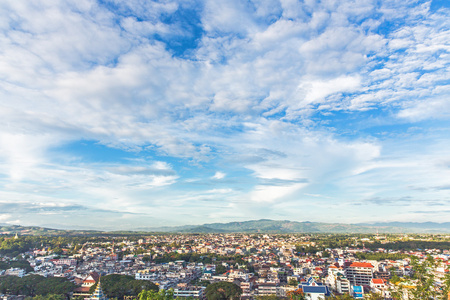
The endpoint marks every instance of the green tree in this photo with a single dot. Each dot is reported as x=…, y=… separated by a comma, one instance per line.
x=118, y=286
x=54, y=285
x=220, y=269
x=395, y=279
x=22, y=264
x=293, y=282
x=446, y=287
x=223, y=291
x=33, y=285
x=296, y=295
x=373, y=296
x=268, y=297
x=50, y=297
x=155, y=295
x=425, y=279
x=341, y=297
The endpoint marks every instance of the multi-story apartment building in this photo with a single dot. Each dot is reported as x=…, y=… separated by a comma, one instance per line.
x=342, y=285
x=196, y=292
x=64, y=261
x=359, y=273
x=267, y=289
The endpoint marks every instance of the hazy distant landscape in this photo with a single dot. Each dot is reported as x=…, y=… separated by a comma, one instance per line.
x=256, y=226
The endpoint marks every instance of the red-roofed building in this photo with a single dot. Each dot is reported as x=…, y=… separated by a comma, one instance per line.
x=379, y=286
x=378, y=283
x=89, y=281
x=361, y=265
x=359, y=273
x=82, y=291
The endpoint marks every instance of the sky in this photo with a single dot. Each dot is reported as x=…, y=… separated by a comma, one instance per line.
x=137, y=114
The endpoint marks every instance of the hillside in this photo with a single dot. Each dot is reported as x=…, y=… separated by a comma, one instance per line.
x=285, y=226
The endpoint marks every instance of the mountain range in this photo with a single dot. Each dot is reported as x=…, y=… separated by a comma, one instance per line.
x=286, y=226
x=254, y=226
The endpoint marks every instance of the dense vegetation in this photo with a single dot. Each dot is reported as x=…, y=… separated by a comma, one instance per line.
x=118, y=286
x=380, y=256
x=161, y=295
x=34, y=285
x=22, y=264
x=203, y=258
x=222, y=291
x=411, y=245
x=14, y=247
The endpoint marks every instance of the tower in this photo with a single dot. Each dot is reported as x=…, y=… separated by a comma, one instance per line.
x=98, y=293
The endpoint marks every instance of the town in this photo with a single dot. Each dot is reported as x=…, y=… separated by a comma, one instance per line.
x=272, y=266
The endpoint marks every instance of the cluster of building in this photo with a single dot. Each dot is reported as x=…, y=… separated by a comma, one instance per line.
x=267, y=265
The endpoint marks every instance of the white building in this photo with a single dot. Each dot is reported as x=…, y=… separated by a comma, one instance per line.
x=359, y=273
x=196, y=292
x=15, y=272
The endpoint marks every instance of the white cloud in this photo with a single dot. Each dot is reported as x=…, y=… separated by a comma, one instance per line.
x=21, y=153
x=249, y=88
x=437, y=108
x=227, y=17
x=219, y=175
x=4, y=217
x=273, y=193
x=295, y=160
x=318, y=90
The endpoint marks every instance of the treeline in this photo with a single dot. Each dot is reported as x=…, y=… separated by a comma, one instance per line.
x=12, y=247
x=410, y=245
x=208, y=258
x=380, y=256
x=35, y=285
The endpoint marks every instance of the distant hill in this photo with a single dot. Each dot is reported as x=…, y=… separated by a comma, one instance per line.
x=419, y=227
x=254, y=226
x=286, y=226
x=281, y=226
x=36, y=230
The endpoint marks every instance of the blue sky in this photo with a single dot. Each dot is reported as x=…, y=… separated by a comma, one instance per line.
x=135, y=114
